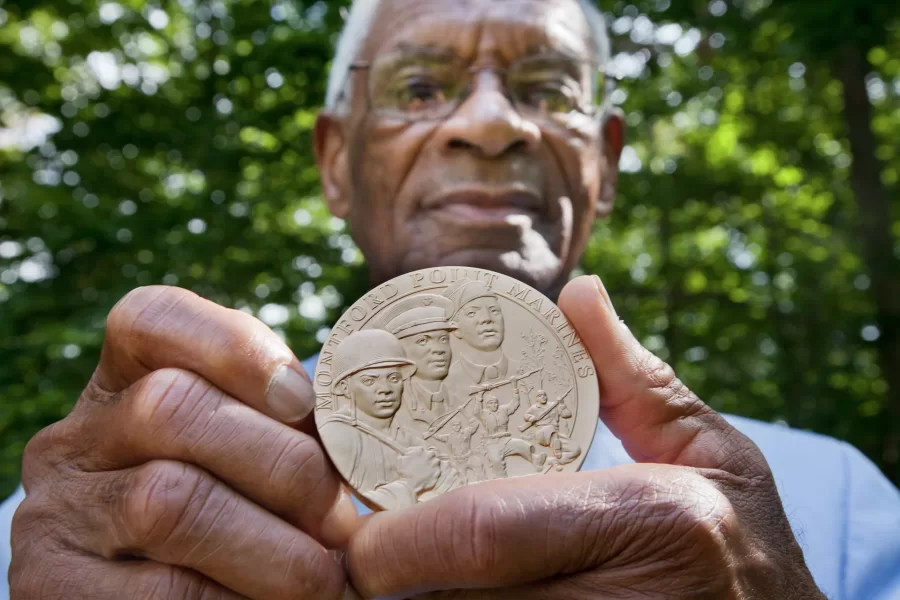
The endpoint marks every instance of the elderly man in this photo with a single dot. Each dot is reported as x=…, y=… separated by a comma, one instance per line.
x=457, y=132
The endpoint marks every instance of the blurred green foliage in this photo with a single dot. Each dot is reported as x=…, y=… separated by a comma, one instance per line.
x=169, y=142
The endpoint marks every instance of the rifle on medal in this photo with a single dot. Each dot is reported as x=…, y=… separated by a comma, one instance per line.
x=546, y=412
x=438, y=423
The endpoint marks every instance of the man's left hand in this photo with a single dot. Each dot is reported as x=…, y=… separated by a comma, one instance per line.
x=698, y=515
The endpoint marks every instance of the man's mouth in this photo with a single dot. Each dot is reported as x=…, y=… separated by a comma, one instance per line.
x=486, y=205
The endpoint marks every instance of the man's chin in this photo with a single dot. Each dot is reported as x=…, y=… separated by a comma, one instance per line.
x=542, y=272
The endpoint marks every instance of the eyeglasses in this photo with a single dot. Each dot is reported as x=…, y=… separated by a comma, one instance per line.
x=424, y=86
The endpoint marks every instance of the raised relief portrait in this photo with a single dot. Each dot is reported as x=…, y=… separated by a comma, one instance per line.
x=422, y=325
x=480, y=329
x=385, y=462
x=432, y=381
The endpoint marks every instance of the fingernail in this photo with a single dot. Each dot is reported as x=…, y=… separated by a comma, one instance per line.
x=290, y=396
x=605, y=295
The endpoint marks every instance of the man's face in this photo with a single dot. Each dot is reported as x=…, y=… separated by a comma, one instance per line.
x=456, y=426
x=431, y=353
x=542, y=397
x=480, y=324
x=487, y=186
x=377, y=392
x=492, y=404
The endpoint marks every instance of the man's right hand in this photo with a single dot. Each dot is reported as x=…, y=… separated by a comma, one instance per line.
x=182, y=471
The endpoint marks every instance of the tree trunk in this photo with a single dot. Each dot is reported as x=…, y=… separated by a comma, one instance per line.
x=874, y=203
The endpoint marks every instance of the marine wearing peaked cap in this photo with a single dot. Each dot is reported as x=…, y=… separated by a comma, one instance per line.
x=418, y=314
x=369, y=349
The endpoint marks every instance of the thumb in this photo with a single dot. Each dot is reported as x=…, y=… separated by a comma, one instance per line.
x=657, y=418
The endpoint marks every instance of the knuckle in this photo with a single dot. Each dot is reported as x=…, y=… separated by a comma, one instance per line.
x=35, y=540
x=26, y=583
x=700, y=515
x=160, y=502
x=26, y=537
x=661, y=381
x=484, y=536
x=309, y=573
x=162, y=582
x=53, y=448
x=140, y=312
x=474, y=548
x=658, y=374
x=34, y=458
x=301, y=466
x=250, y=337
x=746, y=459
x=168, y=402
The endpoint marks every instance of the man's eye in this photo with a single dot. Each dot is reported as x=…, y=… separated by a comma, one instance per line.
x=548, y=96
x=421, y=341
x=368, y=381
x=394, y=377
x=471, y=313
x=423, y=89
x=420, y=92
x=444, y=339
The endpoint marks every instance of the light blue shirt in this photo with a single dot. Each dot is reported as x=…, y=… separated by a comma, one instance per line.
x=843, y=510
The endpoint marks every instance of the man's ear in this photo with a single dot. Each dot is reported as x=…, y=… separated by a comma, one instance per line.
x=613, y=142
x=330, y=147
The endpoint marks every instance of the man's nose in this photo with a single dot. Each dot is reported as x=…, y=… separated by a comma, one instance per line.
x=488, y=123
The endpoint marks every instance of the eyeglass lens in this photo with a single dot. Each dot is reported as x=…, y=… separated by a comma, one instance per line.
x=420, y=86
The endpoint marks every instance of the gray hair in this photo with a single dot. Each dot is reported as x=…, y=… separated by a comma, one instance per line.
x=362, y=15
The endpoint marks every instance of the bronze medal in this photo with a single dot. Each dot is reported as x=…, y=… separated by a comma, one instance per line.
x=450, y=376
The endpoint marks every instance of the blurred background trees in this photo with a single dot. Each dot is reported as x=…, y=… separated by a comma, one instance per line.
x=754, y=246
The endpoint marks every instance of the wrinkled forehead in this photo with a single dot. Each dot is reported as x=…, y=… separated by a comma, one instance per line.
x=501, y=30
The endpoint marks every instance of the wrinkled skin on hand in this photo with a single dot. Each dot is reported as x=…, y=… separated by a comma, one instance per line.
x=698, y=516
x=183, y=470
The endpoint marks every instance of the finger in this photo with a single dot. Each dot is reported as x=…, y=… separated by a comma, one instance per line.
x=166, y=327
x=71, y=575
x=657, y=418
x=576, y=587
x=176, y=415
x=178, y=515
x=519, y=531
